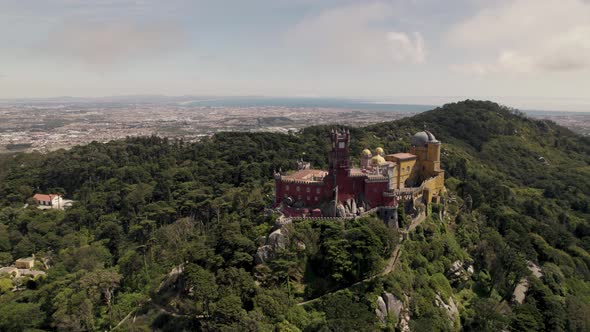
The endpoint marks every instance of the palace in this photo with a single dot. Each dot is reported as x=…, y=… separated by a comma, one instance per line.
x=381, y=181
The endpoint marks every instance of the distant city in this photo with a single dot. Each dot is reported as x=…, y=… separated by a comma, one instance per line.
x=55, y=123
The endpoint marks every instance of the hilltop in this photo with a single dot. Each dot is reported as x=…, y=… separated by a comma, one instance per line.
x=166, y=231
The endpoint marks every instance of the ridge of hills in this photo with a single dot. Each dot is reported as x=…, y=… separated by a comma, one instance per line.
x=518, y=194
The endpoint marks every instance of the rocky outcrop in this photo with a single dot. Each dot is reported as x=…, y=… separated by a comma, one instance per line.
x=353, y=207
x=277, y=239
x=263, y=254
x=520, y=290
x=404, y=322
x=449, y=306
x=300, y=246
x=340, y=211
x=381, y=310
x=460, y=271
x=391, y=308
x=171, y=278
x=345, y=209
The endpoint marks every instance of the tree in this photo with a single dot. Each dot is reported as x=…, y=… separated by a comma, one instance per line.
x=101, y=283
x=486, y=316
x=228, y=310
x=5, y=285
x=203, y=285
x=15, y=316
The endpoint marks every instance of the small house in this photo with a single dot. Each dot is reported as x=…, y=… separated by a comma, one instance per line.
x=25, y=263
x=48, y=200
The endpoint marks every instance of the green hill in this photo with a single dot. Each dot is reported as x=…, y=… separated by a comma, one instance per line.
x=519, y=191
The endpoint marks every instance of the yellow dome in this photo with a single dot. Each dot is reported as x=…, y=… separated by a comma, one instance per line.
x=366, y=152
x=378, y=160
x=379, y=151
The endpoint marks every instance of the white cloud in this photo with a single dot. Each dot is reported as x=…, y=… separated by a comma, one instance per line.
x=526, y=36
x=111, y=42
x=356, y=34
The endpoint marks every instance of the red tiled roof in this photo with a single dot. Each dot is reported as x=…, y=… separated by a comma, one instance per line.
x=44, y=197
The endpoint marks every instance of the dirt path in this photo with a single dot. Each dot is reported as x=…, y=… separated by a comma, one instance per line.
x=389, y=266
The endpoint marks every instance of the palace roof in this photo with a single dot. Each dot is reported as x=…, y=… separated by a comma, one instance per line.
x=306, y=175
x=402, y=156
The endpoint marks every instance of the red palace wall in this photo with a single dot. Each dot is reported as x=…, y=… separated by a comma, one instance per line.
x=349, y=187
x=311, y=194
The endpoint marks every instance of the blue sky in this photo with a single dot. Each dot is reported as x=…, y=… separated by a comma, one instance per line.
x=525, y=53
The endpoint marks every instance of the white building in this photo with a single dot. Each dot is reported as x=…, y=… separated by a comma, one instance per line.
x=49, y=201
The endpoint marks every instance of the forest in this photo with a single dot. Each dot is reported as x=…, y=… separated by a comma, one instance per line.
x=163, y=234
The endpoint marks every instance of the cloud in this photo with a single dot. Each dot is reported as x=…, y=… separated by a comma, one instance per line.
x=525, y=36
x=111, y=42
x=356, y=34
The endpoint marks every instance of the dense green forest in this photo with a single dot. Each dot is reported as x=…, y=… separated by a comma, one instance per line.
x=163, y=233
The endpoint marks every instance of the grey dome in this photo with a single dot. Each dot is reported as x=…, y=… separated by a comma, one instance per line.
x=423, y=137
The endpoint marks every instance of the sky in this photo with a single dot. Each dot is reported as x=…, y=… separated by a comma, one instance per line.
x=532, y=54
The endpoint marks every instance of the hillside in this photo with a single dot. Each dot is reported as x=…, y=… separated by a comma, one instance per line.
x=166, y=231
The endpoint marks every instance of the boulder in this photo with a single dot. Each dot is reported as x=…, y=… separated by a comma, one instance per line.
x=381, y=309
x=300, y=246
x=348, y=205
x=449, y=306
x=520, y=290
x=394, y=305
x=460, y=271
x=353, y=207
x=456, y=266
x=404, y=322
x=263, y=254
x=388, y=306
x=278, y=238
x=340, y=211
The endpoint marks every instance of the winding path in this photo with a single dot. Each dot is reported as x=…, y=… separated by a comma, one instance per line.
x=389, y=266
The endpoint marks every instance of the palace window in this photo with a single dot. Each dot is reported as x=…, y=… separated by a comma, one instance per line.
x=317, y=191
x=341, y=145
x=315, y=198
x=297, y=188
x=287, y=187
x=308, y=189
x=308, y=198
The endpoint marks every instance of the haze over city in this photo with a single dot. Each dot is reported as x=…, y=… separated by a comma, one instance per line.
x=530, y=54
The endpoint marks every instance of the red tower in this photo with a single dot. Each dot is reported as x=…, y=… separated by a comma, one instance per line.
x=339, y=156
